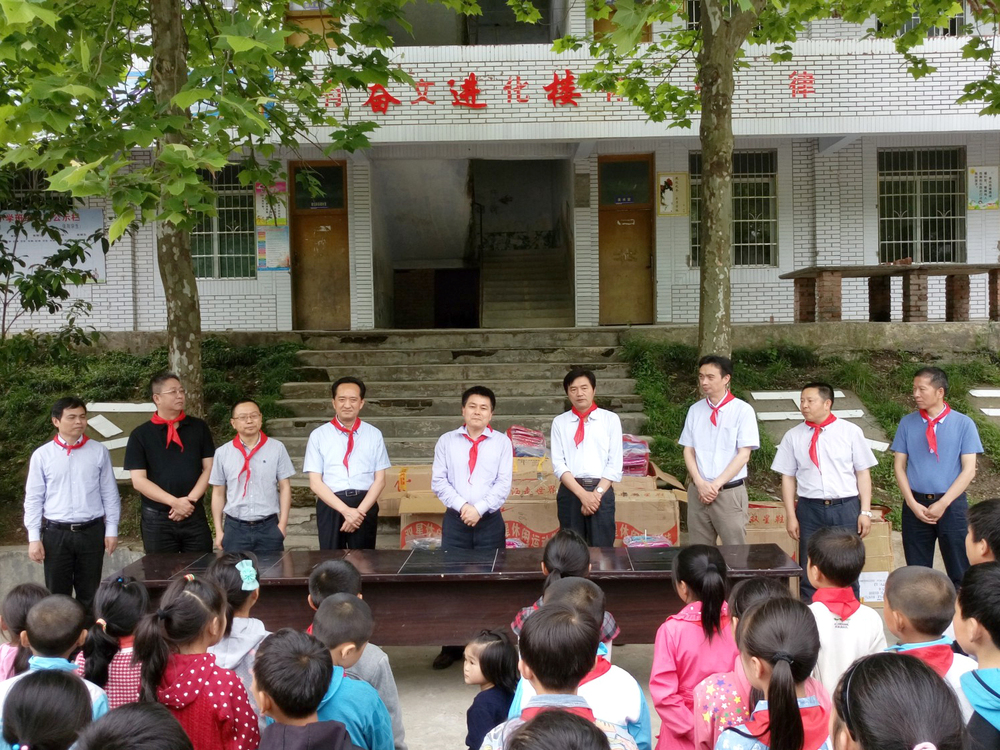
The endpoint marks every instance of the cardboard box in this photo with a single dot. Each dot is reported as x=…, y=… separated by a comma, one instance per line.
x=526, y=467
x=420, y=515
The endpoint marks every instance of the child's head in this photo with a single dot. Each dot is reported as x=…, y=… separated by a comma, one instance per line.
x=581, y=593
x=491, y=659
x=700, y=576
x=779, y=646
x=118, y=605
x=135, y=726
x=883, y=702
x=566, y=555
x=558, y=729
x=344, y=624
x=291, y=674
x=919, y=603
x=45, y=710
x=192, y=612
x=238, y=575
x=55, y=626
x=333, y=577
x=836, y=557
x=14, y=617
x=750, y=592
x=977, y=611
x=983, y=539
x=558, y=648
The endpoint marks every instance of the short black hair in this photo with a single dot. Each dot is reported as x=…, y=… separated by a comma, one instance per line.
x=839, y=554
x=725, y=364
x=480, y=390
x=343, y=618
x=54, y=625
x=549, y=730
x=67, y=402
x=984, y=523
x=333, y=577
x=160, y=378
x=581, y=593
x=294, y=669
x=135, y=726
x=825, y=390
x=243, y=401
x=937, y=376
x=347, y=381
x=576, y=373
x=979, y=597
x=46, y=709
x=559, y=644
x=926, y=597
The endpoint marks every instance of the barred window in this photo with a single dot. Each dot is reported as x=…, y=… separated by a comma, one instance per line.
x=957, y=25
x=694, y=12
x=224, y=246
x=921, y=205
x=755, y=208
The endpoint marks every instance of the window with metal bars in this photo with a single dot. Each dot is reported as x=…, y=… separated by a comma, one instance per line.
x=957, y=25
x=921, y=205
x=225, y=246
x=694, y=12
x=755, y=208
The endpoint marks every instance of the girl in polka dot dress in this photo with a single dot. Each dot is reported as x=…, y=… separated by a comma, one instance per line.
x=177, y=670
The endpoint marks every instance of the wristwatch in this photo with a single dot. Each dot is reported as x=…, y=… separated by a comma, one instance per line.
x=599, y=491
x=867, y=513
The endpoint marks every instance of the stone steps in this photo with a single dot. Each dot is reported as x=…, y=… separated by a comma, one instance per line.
x=450, y=405
x=485, y=373
x=453, y=388
x=349, y=357
x=496, y=338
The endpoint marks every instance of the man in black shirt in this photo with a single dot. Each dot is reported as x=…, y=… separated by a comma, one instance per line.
x=169, y=459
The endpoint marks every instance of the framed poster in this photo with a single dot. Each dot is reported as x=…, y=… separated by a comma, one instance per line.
x=982, y=188
x=673, y=194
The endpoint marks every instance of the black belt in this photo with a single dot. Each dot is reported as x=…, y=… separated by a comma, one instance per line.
x=350, y=493
x=60, y=526
x=929, y=497
x=830, y=501
x=588, y=482
x=265, y=519
x=733, y=485
x=454, y=512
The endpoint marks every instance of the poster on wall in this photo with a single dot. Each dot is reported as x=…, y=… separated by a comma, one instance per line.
x=673, y=194
x=983, y=188
x=270, y=205
x=33, y=247
x=272, y=249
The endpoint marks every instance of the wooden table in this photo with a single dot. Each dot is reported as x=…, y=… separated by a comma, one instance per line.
x=426, y=598
x=818, y=290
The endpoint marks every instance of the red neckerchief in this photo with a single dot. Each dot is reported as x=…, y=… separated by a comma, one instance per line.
x=931, y=424
x=530, y=713
x=841, y=602
x=350, y=438
x=474, y=449
x=578, y=437
x=70, y=448
x=938, y=657
x=126, y=641
x=602, y=667
x=815, y=724
x=715, y=409
x=816, y=428
x=238, y=444
x=172, y=436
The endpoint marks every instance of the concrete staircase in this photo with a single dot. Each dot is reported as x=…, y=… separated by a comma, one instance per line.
x=527, y=288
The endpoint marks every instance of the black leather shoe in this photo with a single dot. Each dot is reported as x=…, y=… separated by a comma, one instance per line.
x=448, y=656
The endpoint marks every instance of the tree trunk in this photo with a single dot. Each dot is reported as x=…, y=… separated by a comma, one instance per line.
x=173, y=245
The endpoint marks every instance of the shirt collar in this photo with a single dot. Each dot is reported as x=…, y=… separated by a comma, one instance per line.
x=944, y=641
x=51, y=663
x=557, y=699
x=488, y=432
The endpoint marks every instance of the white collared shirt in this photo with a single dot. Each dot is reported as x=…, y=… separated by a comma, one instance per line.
x=715, y=445
x=599, y=456
x=325, y=455
x=488, y=486
x=842, y=451
x=73, y=488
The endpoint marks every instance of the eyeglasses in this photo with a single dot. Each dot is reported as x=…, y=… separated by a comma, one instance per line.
x=246, y=417
x=173, y=392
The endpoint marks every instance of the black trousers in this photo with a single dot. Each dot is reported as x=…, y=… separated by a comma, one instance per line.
x=487, y=534
x=160, y=534
x=329, y=522
x=598, y=529
x=73, y=561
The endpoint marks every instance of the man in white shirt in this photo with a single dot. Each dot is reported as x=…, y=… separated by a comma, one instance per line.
x=825, y=462
x=71, y=505
x=346, y=461
x=586, y=459
x=719, y=434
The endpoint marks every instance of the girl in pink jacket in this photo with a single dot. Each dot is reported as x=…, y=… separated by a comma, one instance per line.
x=691, y=645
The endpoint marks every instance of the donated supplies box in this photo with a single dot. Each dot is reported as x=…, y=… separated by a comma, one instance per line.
x=400, y=480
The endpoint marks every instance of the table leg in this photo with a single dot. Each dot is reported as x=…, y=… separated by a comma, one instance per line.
x=915, y=296
x=880, y=299
x=956, y=298
x=828, y=295
x=805, y=300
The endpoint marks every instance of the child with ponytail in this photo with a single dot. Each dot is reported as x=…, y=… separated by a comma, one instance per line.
x=13, y=617
x=779, y=646
x=691, y=645
x=172, y=644
x=106, y=659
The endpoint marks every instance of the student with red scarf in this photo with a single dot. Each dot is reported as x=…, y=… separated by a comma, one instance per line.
x=169, y=459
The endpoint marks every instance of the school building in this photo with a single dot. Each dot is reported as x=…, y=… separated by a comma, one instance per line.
x=497, y=193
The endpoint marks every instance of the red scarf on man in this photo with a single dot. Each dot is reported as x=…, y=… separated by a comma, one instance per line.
x=474, y=449
x=715, y=409
x=70, y=448
x=172, y=436
x=350, y=437
x=817, y=428
x=931, y=424
x=578, y=437
x=841, y=601
x=238, y=444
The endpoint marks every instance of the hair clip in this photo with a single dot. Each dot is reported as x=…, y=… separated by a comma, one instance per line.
x=784, y=656
x=120, y=579
x=926, y=746
x=248, y=575
x=189, y=577
x=18, y=747
x=102, y=622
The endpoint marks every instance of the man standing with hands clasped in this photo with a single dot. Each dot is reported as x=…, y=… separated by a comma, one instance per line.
x=825, y=463
x=935, y=461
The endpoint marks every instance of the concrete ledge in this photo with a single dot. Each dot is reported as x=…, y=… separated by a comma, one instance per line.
x=16, y=568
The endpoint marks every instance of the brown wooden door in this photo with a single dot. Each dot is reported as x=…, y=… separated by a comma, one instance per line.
x=625, y=240
x=321, y=278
